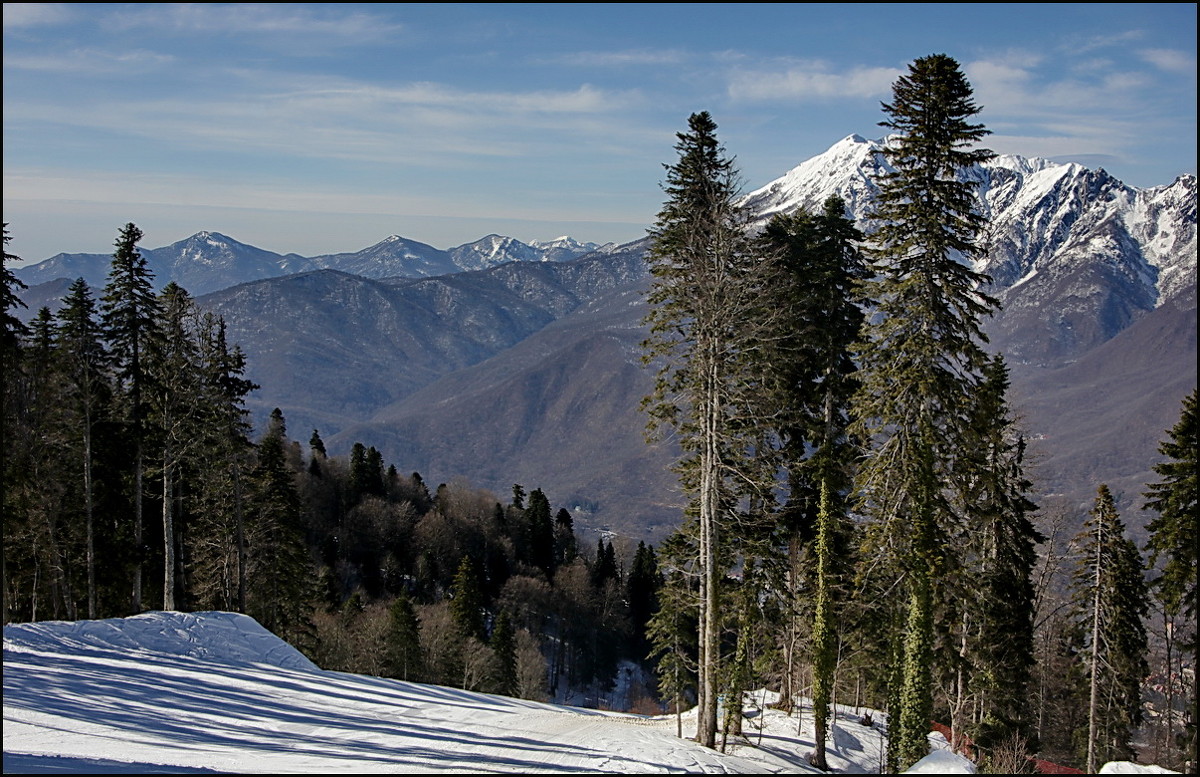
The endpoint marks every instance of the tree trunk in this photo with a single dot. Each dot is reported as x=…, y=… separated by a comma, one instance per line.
x=168, y=514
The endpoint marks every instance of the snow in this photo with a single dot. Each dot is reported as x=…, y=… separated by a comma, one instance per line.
x=215, y=692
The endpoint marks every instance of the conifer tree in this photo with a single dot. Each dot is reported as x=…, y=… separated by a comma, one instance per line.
x=816, y=266
x=539, y=533
x=504, y=656
x=280, y=571
x=565, y=546
x=1175, y=499
x=921, y=360
x=1002, y=539
x=467, y=604
x=129, y=315
x=85, y=360
x=1112, y=602
x=175, y=402
x=1173, y=538
x=703, y=297
x=12, y=330
x=404, y=658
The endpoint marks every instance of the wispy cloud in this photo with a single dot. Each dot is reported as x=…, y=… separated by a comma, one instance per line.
x=89, y=61
x=811, y=80
x=235, y=18
x=1090, y=107
x=624, y=58
x=422, y=124
x=18, y=15
x=1171, y=60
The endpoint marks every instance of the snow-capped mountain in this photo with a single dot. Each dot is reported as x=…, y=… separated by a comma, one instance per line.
x=204, y=262
x=391, y=257
x=493, y=250
x=210, y=261
x=562, y=249
x=1098, y=253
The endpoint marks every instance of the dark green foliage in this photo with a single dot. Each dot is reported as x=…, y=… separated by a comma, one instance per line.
x=467, y=603
x=1002, y=540
x=87, y=395
x=565, y=547
x=921, y=361
x=815, y=268
x=1173, y=534
x=539, y=533
x=504, y=656
x=704, y=300
x=280, y=591
x=641, y=592
x=11, y=328
x=405, y=660
x=130, y=313
x=673, y=628
x=1173, y=538
x=1111, y=603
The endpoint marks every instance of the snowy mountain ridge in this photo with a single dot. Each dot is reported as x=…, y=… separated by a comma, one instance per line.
x=209, y=261
x=1043, y=214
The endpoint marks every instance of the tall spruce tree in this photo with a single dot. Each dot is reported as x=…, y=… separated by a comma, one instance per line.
x=280, y=570
x=176, y=402
x=1112, y=603
x=219, y=557
x=702, y=301
x=1002, y=540
x=85, y=362
x=1175, y=499
x=129, y=315
x=1173, y=540
x=12, y=330
x=921, y=362
x=815, y=268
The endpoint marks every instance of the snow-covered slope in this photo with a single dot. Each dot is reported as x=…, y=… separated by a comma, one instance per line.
x=215, y=692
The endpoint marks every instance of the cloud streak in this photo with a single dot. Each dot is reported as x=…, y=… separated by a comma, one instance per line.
x=254, y=18
x=811, y=81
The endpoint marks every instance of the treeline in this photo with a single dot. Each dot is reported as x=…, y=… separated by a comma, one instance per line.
x=860, y=527
x=132, y=482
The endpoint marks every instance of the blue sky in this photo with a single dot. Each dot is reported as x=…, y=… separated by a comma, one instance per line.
x=314, y=128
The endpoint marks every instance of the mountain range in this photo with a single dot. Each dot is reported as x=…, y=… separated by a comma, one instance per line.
x=210, y=261
x=502, y=362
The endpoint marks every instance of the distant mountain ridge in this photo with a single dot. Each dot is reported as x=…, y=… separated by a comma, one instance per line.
x=529, y=371
x=210, y=261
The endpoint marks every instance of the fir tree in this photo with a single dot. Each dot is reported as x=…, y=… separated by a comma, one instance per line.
x=175, y=402
x=82, y=352
x=1173, y=538
x=816, y=266
x=12, y=331
x=404, y=659
x=1174, y=498
x=921, y=360
x=1111, y=601
x=129, y=314
x=539, y=533
x=504, y=656
x=280, y=571
x=467, y=604
x=702, y=298
x=1003, y=540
